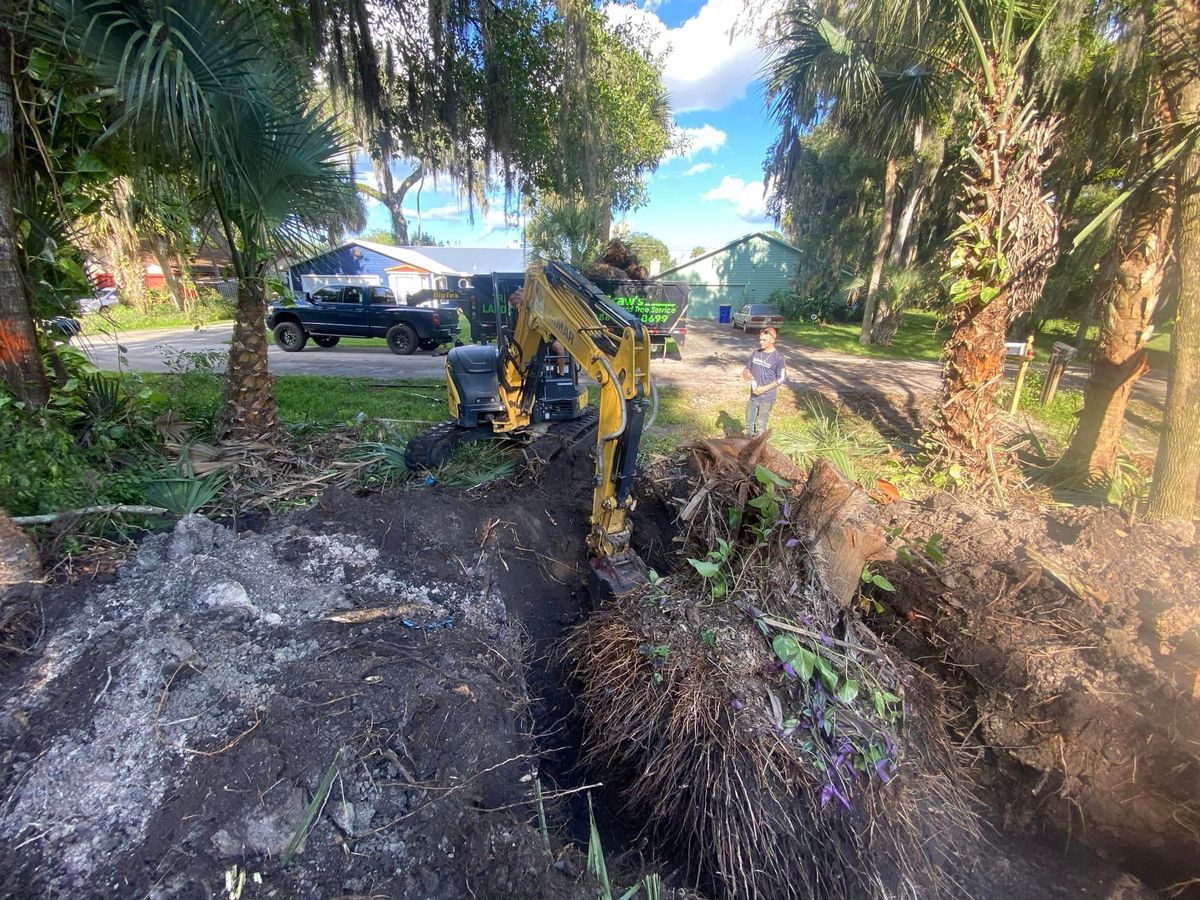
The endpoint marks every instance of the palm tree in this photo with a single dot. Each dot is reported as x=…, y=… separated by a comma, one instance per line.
x=568, y=230
x=1177, y=466
x=1003, y=252
x=197, y=92
x=20, y=359
x=1126, y=298
x=887, y=71
x=853, y=79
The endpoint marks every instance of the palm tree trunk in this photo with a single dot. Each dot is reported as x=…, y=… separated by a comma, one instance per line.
x=128, y=261
x=1128, y=293
x=1002, y=256
x=250, y=408
x=20, y=361
x=1177, y=468
x=885, y=234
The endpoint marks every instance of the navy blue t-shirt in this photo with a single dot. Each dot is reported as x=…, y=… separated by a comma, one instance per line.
x=767, y=370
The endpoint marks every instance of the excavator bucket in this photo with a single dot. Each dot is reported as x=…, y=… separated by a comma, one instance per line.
x=615, y=574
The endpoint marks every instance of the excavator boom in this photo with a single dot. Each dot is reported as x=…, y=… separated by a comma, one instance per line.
x=508, y=389
x=613, y=348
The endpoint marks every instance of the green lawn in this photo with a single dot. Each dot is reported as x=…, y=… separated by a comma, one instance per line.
x=122, y=317
x=918, y=337
x=314, y=400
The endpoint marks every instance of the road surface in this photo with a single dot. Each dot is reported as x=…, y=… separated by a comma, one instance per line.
x=713, y=358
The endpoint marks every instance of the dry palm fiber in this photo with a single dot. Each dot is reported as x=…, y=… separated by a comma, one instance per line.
x=618, y=262
x=757, y=721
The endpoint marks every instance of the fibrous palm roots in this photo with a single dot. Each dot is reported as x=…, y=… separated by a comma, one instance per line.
x=759, y=723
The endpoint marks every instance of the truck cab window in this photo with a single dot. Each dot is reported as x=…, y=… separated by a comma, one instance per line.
x=383, y=296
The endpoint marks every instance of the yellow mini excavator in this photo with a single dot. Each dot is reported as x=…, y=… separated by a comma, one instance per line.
x=526, y=387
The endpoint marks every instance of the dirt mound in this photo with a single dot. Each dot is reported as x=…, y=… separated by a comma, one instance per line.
x=759, y=723
x=1076, y=638
x=190, y=723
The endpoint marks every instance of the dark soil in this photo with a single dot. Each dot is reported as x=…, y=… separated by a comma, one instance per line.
x=178, y=722
x=173, y=726
x=1074, y=639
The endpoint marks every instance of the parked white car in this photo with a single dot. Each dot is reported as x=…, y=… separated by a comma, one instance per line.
x=102, y=298
x=756, y=316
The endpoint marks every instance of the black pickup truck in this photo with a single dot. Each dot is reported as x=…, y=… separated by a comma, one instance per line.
x=352, y=310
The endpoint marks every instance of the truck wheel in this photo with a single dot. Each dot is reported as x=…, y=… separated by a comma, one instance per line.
x=290, y=336
x=401, y=340
x=325, y=340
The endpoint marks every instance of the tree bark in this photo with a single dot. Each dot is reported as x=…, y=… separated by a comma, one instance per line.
x=843, y=535
x=394, y=197
x=19, y=560
x=20, y=359
x=885, y=234
x=1177, y=467
x=927, y=159
x=1006, y=216
x=250, y=408
x=129, y=264
x=1127, y=294
x=163, y=255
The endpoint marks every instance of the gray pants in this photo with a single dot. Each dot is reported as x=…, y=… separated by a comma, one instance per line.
x=758, y=413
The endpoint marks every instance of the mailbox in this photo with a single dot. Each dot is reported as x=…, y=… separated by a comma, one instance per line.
x=1018, y=350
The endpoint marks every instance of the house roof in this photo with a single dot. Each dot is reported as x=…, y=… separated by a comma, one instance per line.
x=441, y=260
x=745, y=237
x=477, y=260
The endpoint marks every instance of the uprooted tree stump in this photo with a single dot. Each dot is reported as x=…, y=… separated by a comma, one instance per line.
x=759, y=723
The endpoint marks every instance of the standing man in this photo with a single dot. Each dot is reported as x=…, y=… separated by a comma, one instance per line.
x=766, y=373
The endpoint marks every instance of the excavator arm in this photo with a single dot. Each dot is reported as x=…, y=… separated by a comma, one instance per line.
x=611, y=346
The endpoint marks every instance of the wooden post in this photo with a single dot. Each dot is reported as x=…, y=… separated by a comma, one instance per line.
x=1026, y=359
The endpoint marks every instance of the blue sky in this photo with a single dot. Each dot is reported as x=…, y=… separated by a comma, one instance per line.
x=705, y=197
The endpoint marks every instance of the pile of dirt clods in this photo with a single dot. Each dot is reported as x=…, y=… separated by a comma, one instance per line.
x=1076, y=639
x=274, y=715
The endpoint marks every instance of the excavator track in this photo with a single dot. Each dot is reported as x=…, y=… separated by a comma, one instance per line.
x=434, y=447
x=561, y=437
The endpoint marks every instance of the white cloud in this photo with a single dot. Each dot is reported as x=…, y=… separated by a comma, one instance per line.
x=748, y=198
x=706, y=137
x=451, y=212
x=711, y=58
x=697, y=169
x=495, y=220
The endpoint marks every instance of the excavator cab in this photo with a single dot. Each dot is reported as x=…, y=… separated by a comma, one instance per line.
x=527, y=387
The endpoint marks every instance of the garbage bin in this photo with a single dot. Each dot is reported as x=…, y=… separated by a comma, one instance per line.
x=723, y=314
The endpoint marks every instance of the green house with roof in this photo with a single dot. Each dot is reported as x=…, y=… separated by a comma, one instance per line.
x=747, y=270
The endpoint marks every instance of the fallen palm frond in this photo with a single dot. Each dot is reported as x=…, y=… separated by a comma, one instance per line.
x=755, y=719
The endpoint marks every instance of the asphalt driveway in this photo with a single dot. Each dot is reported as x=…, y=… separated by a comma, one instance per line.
x=712, y=359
